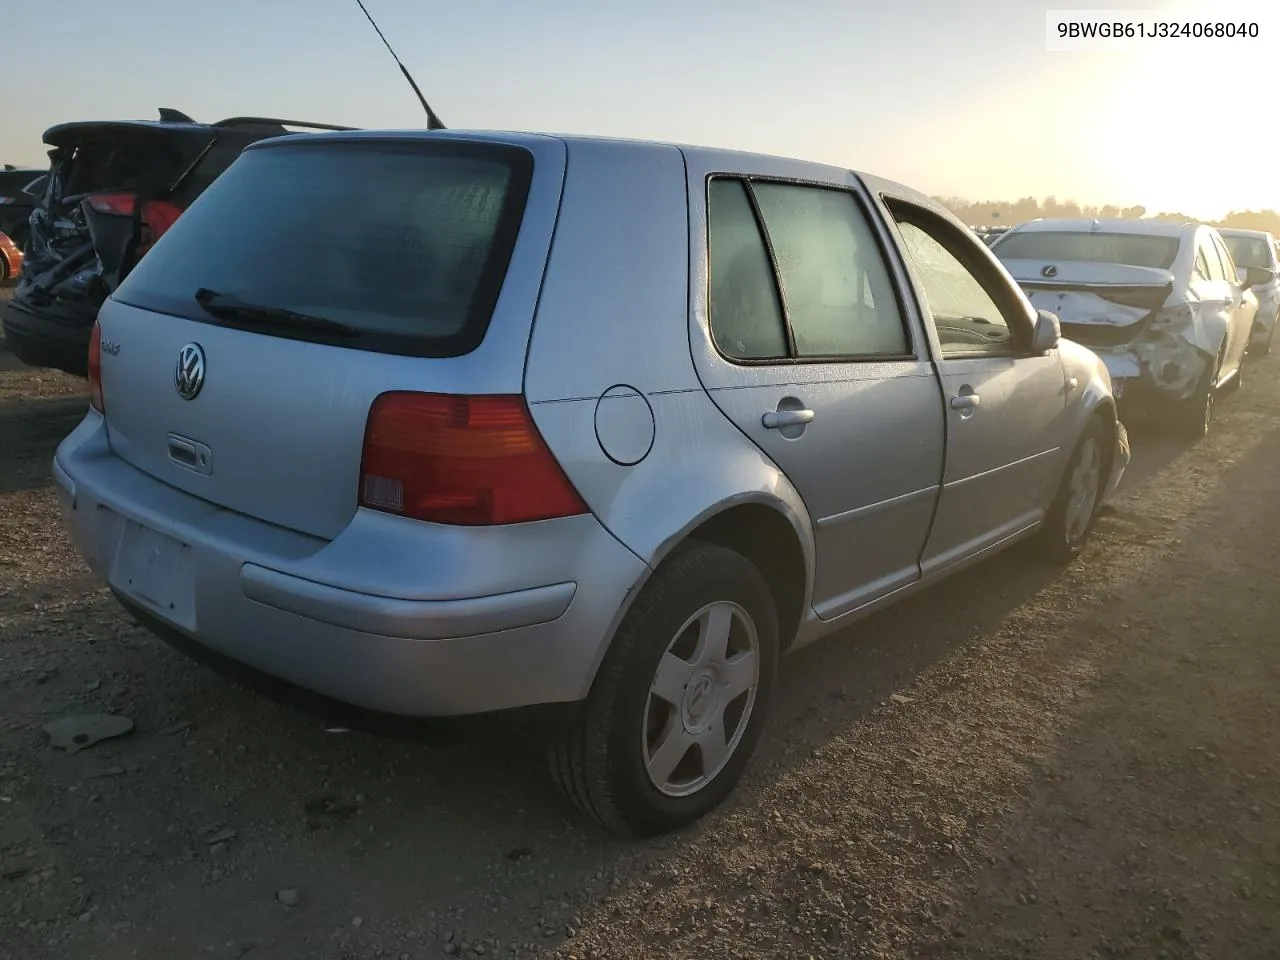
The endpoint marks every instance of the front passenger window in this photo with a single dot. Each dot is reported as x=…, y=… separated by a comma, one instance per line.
x=967, y=319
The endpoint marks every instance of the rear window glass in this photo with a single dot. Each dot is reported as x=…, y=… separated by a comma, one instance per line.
x=1135, y=250
x=126, y=161
x=1249, y=251
x=405, y=244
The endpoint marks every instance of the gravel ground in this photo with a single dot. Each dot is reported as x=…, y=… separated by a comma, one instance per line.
x=1020, y=762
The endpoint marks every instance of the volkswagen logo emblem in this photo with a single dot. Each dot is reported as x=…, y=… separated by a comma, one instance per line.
x=188, y=378
x=1049, y=271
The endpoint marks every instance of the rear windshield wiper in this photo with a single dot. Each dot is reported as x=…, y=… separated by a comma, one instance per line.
x=230, y=307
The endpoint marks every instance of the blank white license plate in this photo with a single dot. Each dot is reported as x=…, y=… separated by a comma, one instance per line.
x=156, y=570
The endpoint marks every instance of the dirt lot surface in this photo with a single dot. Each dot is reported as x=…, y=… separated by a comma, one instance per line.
x=1021, y=762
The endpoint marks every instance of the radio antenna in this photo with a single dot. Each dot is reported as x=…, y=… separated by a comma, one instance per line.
x=433, y=122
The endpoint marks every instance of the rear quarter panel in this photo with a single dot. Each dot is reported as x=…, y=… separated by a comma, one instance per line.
x=1092, y=393
x=614, y=313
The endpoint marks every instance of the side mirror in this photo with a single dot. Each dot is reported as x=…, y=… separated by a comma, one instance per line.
x=1256, y=276
x=1047, y=333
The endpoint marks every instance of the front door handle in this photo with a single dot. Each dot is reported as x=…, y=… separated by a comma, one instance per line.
x=965, y=401
x=776, y=419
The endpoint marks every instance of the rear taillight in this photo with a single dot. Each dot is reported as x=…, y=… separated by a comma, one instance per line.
x=157, y=216
x=120, y=204
x=467, y=461
x=95, y=369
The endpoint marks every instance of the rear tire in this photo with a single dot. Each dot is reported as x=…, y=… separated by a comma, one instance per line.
x=1193, y=416
x=1238, y=380
x=632, y=757
x=1075, y=508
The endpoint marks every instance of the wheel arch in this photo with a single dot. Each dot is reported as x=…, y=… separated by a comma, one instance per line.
x=768, y=531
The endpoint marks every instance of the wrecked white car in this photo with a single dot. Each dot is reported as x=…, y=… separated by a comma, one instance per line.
x=1162, y=303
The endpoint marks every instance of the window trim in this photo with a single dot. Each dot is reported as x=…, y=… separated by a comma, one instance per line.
x=1200, y=266
x=779, y=290
x=792, y=358
x=1228, y=264
x=981, y=270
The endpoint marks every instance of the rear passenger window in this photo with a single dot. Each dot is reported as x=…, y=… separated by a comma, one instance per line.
x=1217, y=267
x=838, y=295
x=742, y=301
x=837, y=299
x=1224, y=256
x=1202, y=264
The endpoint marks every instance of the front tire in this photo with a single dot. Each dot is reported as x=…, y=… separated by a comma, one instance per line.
x=1075, y=508
x=680, y=700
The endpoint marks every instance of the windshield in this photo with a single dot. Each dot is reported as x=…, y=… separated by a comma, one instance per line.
x=1249, y=251
x=406, y=243
x=1135, y=250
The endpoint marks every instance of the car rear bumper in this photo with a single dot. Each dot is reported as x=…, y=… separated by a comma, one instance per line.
x=224, y=581
x=1153, y=379
x=54, y=336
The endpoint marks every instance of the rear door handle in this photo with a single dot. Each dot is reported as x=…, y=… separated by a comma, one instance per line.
x=776, y=419
x=965, y=401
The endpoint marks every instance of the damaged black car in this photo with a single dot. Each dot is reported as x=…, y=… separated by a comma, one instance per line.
x=111, y=190
x=18, y=190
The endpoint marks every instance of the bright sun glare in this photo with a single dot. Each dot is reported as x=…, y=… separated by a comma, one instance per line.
x=1200, y=123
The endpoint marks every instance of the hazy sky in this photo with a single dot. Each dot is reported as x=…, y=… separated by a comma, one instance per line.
x=950, y=98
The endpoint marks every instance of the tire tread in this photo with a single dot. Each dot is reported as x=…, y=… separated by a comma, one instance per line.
x=579, y=753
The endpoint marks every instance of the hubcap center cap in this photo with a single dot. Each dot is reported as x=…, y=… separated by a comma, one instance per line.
x=699, y=701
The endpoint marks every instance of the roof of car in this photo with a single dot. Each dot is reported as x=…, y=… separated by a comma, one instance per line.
x=722, y=155
x=1238, y=232
x=1150, y=228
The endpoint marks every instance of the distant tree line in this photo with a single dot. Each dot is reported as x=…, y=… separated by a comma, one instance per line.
x=992, y=212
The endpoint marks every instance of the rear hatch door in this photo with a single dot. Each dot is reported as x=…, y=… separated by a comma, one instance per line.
x=336, y=268
x=87, y=224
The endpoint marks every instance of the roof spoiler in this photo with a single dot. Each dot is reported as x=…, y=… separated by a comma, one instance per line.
x=170, y=115
x=277, y=122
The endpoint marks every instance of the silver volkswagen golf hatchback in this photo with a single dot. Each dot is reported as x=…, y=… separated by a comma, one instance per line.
x=449, y=423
